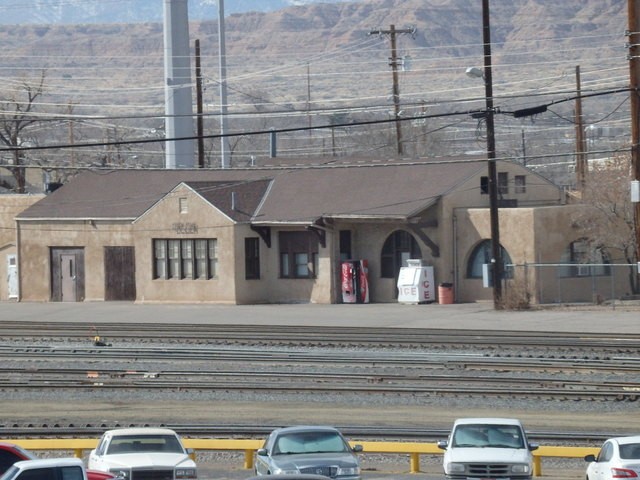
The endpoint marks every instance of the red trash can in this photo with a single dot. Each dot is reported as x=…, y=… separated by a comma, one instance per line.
x=445, y=294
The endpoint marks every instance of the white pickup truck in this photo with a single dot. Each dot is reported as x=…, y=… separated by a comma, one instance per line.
x=487, y=448
x=47, y=469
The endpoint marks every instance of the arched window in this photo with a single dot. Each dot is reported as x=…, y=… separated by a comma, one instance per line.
x=587, y=260
x=481, y=255
x=397, y=248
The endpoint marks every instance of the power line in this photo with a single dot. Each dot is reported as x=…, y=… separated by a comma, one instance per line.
x=290, y=129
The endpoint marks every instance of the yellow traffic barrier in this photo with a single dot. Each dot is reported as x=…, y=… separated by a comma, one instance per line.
x=559, y=452
x=249, y=446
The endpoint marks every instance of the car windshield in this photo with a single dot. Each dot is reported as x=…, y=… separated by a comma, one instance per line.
x=144, y=443
x=630, y=451
x=10, y=473
x=496, y=436
x=309, y=442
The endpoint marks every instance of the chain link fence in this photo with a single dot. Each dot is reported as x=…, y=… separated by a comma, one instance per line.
x=597, y=283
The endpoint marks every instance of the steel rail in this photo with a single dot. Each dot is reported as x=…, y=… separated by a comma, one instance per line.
x=486, y=386
x=260, y=431
x=386, y=371
x=335, y=360
x=478, y=359
x=308, y=335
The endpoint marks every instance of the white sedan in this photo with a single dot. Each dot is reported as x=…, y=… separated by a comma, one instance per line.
x=143, y=454
x=619, y=457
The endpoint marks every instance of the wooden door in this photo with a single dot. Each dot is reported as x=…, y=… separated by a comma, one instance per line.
x=119, y=273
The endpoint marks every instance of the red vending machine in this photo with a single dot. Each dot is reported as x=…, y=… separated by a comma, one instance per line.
x=355, y=281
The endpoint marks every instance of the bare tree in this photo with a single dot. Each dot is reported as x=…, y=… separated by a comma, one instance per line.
x=16, y=114
x=609, y=223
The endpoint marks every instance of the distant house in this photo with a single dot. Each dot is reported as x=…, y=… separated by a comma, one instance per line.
x=279, y=235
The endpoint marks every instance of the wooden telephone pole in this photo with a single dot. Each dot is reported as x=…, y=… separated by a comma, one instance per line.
x=581, y=150
x=393, y=62
x=634, y=79
x=199, y=107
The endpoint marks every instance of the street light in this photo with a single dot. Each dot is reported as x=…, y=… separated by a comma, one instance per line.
x=474, y=72
x=496, y=261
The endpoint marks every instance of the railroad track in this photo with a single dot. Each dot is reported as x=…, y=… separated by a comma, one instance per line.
x=361, y=432
x=312, y=360
x=343, y=337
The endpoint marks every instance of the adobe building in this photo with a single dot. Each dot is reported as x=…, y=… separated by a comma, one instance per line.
x=279, y=235
x=10, y=207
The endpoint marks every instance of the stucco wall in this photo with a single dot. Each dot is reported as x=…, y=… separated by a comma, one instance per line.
x=200, y=221
x=230, y=284
x=10, y=206
x=367, y=240
x=36, y=238
x=270, y=288
x=532, y=236
x=463, y=225
x=555, y=231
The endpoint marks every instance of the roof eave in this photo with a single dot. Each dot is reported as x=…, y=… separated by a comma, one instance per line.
x=75, y=219
x=271, y=223
x=376, y=218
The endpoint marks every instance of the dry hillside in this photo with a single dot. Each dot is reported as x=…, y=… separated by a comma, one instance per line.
x=319, y=65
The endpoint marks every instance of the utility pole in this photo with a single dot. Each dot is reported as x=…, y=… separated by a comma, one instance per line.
x=309, y=100
x=496, y=259
x=393, y=62
x=633, y=55
x=225, y=150
x=72, y=156
x=199, y=109
x=581, y=157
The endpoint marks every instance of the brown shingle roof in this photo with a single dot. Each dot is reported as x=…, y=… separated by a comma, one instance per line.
x=287, y=195
x=237, y=200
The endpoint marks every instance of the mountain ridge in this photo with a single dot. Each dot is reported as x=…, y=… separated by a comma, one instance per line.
x=34, y=12
x=318, y=64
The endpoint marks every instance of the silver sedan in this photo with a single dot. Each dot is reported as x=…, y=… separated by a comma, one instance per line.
x=308, y=450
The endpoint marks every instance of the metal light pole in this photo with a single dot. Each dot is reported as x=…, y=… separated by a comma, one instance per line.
x=496, y=260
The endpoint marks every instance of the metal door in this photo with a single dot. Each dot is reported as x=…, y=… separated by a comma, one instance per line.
x=68, y=277
x=12, y=276
x=67, y=274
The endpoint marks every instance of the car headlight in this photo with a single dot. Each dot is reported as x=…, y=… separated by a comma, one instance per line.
x=349, y=471
x=186, y=473
x=456, y=468
x=123, y=473
x=285, y=471
x=520, y=468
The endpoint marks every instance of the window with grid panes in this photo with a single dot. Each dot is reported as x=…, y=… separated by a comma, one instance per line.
x=185, y=258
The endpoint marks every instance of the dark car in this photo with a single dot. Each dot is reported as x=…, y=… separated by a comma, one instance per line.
x=10, y=454
x=293, y=451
